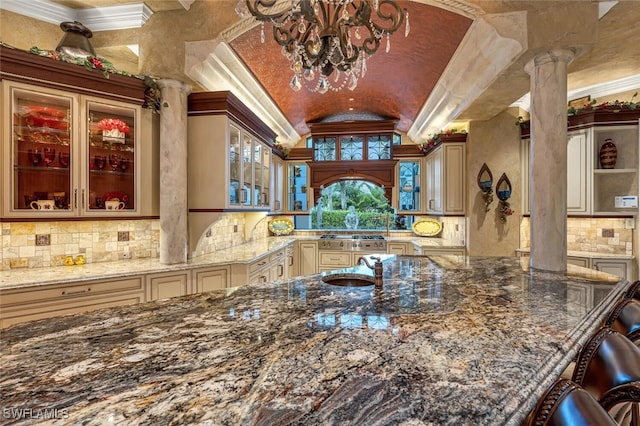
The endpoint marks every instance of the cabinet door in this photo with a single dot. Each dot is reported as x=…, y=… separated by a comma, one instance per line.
x=277, y=180
x=397, y=248
x=209, y=279
x=614, y=267
x=235, y=166
x=109, y=160
x=453, y=179
x=577, y=175
x=297, y=187
x=164, y=286
x=307, y=257
x=409, y=182
x=434, y=181
x=40, y=151
x=265, y=165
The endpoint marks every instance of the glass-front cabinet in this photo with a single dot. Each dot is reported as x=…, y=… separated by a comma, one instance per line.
x=67, y=154
x=298, y=191
x=408, y=185
x=249, y=164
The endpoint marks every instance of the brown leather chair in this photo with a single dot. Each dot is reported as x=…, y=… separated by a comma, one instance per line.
x=625, y=319
x=633, y=292
x=565, y=403
x=608, y=367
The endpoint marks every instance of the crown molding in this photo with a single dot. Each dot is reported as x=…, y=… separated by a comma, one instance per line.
x=216, y=67
x=96, y=19
x=607, y=88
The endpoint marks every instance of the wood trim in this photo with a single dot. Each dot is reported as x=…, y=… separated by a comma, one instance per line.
x=73, y=219
x=26, y=67
x=300, y=154
x=225, y=102
x=352, y=127
x=600, y=117
x=408, y=150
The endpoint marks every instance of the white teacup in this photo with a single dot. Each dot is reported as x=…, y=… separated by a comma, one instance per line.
x=114, y=205
x=43, y=204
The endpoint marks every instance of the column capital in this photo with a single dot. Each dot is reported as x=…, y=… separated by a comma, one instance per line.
x=170, y=83
x=553, y=55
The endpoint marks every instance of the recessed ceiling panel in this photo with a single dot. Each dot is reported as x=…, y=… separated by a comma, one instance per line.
x=396, y=85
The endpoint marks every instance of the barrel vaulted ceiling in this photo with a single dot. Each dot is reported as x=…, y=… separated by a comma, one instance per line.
x=462, y=60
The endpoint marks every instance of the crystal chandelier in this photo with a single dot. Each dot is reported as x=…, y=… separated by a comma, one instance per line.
x=324, y=37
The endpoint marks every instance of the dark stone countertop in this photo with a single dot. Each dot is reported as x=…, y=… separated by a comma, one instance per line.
x=446, y=341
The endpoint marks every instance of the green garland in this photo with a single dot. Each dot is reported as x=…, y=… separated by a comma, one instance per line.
x=96, y=63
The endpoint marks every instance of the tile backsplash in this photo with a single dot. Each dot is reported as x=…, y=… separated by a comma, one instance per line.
x=43, y=244
x=601, y=235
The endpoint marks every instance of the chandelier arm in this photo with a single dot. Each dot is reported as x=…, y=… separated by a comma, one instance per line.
x=396, y=18
x=255, y=7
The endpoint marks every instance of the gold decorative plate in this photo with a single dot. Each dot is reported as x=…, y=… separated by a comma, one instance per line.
x=427, y=227
x=281, y=227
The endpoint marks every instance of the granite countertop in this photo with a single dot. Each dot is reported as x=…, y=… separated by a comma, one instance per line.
x=245, y=253
x=446, y=341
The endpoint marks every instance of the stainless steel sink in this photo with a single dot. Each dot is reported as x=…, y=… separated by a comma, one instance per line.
x=349, y=280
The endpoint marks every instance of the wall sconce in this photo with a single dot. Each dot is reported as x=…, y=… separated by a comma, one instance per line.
x=503, y=190
x=485, y=182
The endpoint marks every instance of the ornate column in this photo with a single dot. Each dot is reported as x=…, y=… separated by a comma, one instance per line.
x=173, y=172
x=548, y=159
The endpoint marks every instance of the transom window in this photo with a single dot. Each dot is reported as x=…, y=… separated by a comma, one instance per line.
x=352, y=147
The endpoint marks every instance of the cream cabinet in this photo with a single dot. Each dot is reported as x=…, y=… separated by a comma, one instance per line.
x=621, y=267
x=269, y=267
x=68, y=155
x=26, y=304
x=407, y=192
x=229, y=161
x=592, y=190
x=277, y=184
x=438, y=251
x=298, y=190
x=166, y=285
x=578, y=176
x=306, y=257
x=210, y=278
x=625, y=268
x=445, y=174
x=399, y=248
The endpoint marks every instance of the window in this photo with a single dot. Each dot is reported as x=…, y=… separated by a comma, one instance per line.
x=352, y=147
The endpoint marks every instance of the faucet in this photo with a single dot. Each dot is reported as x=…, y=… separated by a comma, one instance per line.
x=377, y=269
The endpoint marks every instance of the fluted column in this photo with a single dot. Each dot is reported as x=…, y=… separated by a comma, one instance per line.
x=173, y=172
x=548, y=159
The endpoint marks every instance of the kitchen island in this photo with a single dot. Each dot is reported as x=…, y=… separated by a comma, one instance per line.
x=459, y=341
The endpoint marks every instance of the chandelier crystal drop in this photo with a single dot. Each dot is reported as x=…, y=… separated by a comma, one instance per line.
x=324, y=37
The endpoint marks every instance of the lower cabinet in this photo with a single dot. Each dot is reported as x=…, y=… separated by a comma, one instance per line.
x=332, y=260
x=209, y=279
x=27, y=304
x=307, y=262
x=166, y=285
x=624, y=268
x=264, y=269
x=621, y=268
x=438, y=251
x=399, y=248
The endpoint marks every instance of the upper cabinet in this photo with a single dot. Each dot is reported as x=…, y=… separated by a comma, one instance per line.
x=408, y=183
x=298, y=189
x=69, y=154
x=445, y=177
x=229, y=162
x=602, y=164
